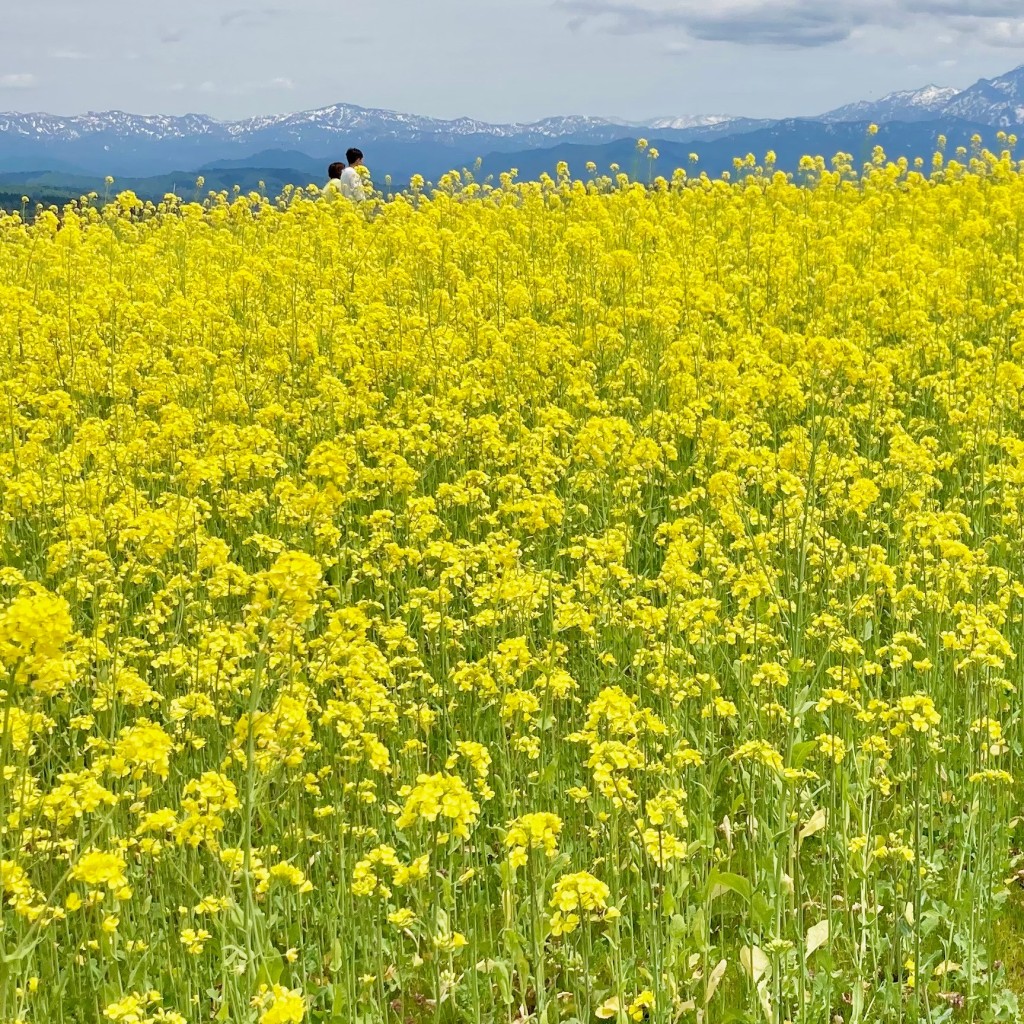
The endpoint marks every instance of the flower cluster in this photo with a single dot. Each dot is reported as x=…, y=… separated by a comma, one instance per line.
x=546, y=598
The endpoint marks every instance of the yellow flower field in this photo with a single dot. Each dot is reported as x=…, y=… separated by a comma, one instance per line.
x=542, y=602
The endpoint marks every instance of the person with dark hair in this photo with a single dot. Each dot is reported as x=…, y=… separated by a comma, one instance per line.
x=334, y=172
x=351, y=179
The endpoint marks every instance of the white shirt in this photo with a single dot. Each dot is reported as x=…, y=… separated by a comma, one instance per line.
x=351, y=184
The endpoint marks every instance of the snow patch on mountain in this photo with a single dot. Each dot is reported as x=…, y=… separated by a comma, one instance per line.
x=905, y=105
x=338, y=118
x=682, y=123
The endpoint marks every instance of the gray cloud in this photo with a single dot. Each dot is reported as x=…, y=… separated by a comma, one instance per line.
x=792, y=23
x=171, y=35
x=774, y=22
x=795, y=25
x=965, y=8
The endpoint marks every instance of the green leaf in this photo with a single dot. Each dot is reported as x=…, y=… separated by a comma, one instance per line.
x=337, y=957
x=339, y=1004
x=270, y=970
x=761, y=910
x=802, y=751
x=817, y=936
x=758, y=966
x=721, y=882
x=814, y=824
x=18, y=953
x=668, y=902
x=713, y=980
x=499, y=970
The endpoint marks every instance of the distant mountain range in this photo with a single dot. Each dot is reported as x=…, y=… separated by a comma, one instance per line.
x=45, y=153
x=917, y=105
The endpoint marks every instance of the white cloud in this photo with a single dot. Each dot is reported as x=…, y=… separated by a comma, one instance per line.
x=18, y=81
x=1004, y=33
x=249, y=17
x=210, y=88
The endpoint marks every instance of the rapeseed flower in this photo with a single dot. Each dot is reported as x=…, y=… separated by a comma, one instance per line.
x=660, y=543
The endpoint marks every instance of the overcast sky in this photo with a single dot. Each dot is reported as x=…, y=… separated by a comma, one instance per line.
x=494, y=60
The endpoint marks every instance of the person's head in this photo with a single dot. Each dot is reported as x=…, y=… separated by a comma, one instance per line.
x=334, y=171
x=354, y=157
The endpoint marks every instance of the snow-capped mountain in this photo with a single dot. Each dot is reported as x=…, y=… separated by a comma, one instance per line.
x=146, y=126
x=908, y=105
x=120, y=143
x=343, y=118
x=996, y=101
